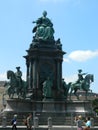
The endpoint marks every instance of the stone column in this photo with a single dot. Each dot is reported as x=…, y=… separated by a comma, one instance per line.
x=58, y=75
x=34, y=74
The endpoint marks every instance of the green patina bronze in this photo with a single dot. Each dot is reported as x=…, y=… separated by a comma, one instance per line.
x=14, y=85
x=80, y=76
x=9, y=90
x=65, y=88
x=18, y=74
x=43, y=29
x=83, y=84
x=47, y=88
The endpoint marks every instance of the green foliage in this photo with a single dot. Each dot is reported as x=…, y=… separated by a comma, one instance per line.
x=95, y=102
x=95, y=105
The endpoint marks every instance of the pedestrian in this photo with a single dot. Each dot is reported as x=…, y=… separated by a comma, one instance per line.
x=14, y=122
x=79, y=122
x=87, y=124
x=29, y=122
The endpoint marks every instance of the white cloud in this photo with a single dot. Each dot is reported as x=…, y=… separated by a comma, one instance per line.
x=81, y=55
x=65, y=60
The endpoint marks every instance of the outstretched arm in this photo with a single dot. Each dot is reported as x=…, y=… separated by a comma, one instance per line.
x=84, y=73
x=34, y=22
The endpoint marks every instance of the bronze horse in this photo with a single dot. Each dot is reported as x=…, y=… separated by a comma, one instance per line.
x=14, y=85
x=84, y=85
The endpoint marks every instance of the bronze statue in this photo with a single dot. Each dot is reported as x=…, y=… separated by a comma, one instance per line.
x=84, y=85
x=63, y=90
x=47, y=88
x=14, y=85
x=18, y=76
x=44, y=28
x=9, y=90
x=80, y=76
x=58, y=43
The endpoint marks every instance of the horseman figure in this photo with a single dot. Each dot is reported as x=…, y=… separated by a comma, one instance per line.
x=16, y=84
x=83, y=83
x=18, y=76
x=80, y=77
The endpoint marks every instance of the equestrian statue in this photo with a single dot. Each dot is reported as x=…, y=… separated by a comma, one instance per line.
x=83, y=83
x=15, y=85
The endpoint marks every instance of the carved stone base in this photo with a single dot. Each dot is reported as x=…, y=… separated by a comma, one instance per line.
x=79, y=107
x=18, y=105
x=48, y=105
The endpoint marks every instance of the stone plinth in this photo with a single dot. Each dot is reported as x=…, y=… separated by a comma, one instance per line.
x=48, y=105
x=79, y=107
x=18, y=105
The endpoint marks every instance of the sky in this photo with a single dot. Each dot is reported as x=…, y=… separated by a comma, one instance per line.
x=75, y=22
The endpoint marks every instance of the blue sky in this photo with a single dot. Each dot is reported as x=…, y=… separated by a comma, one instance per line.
x=75, y=23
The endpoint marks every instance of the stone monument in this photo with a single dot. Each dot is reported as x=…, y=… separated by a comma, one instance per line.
x=44, y=63
x=45, y=89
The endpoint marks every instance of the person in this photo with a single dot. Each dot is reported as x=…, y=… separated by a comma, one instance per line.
x=64, y=88
x=24, y=120
x=14, y=122
x=29, y=122
x=58, y=43
x=44, y=28
x=79, y=122
x=19, y=75
x=80, y=76
x=87, y=124
x=47, y=88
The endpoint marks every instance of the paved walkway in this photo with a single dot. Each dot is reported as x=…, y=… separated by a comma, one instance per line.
x=41, y=127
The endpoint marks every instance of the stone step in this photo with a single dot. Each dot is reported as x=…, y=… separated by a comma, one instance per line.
x=57, y=118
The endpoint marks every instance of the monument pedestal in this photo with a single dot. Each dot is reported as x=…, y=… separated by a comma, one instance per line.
x=18, y=105
x=59, y=111
x=77, y=106
x=48, y=105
